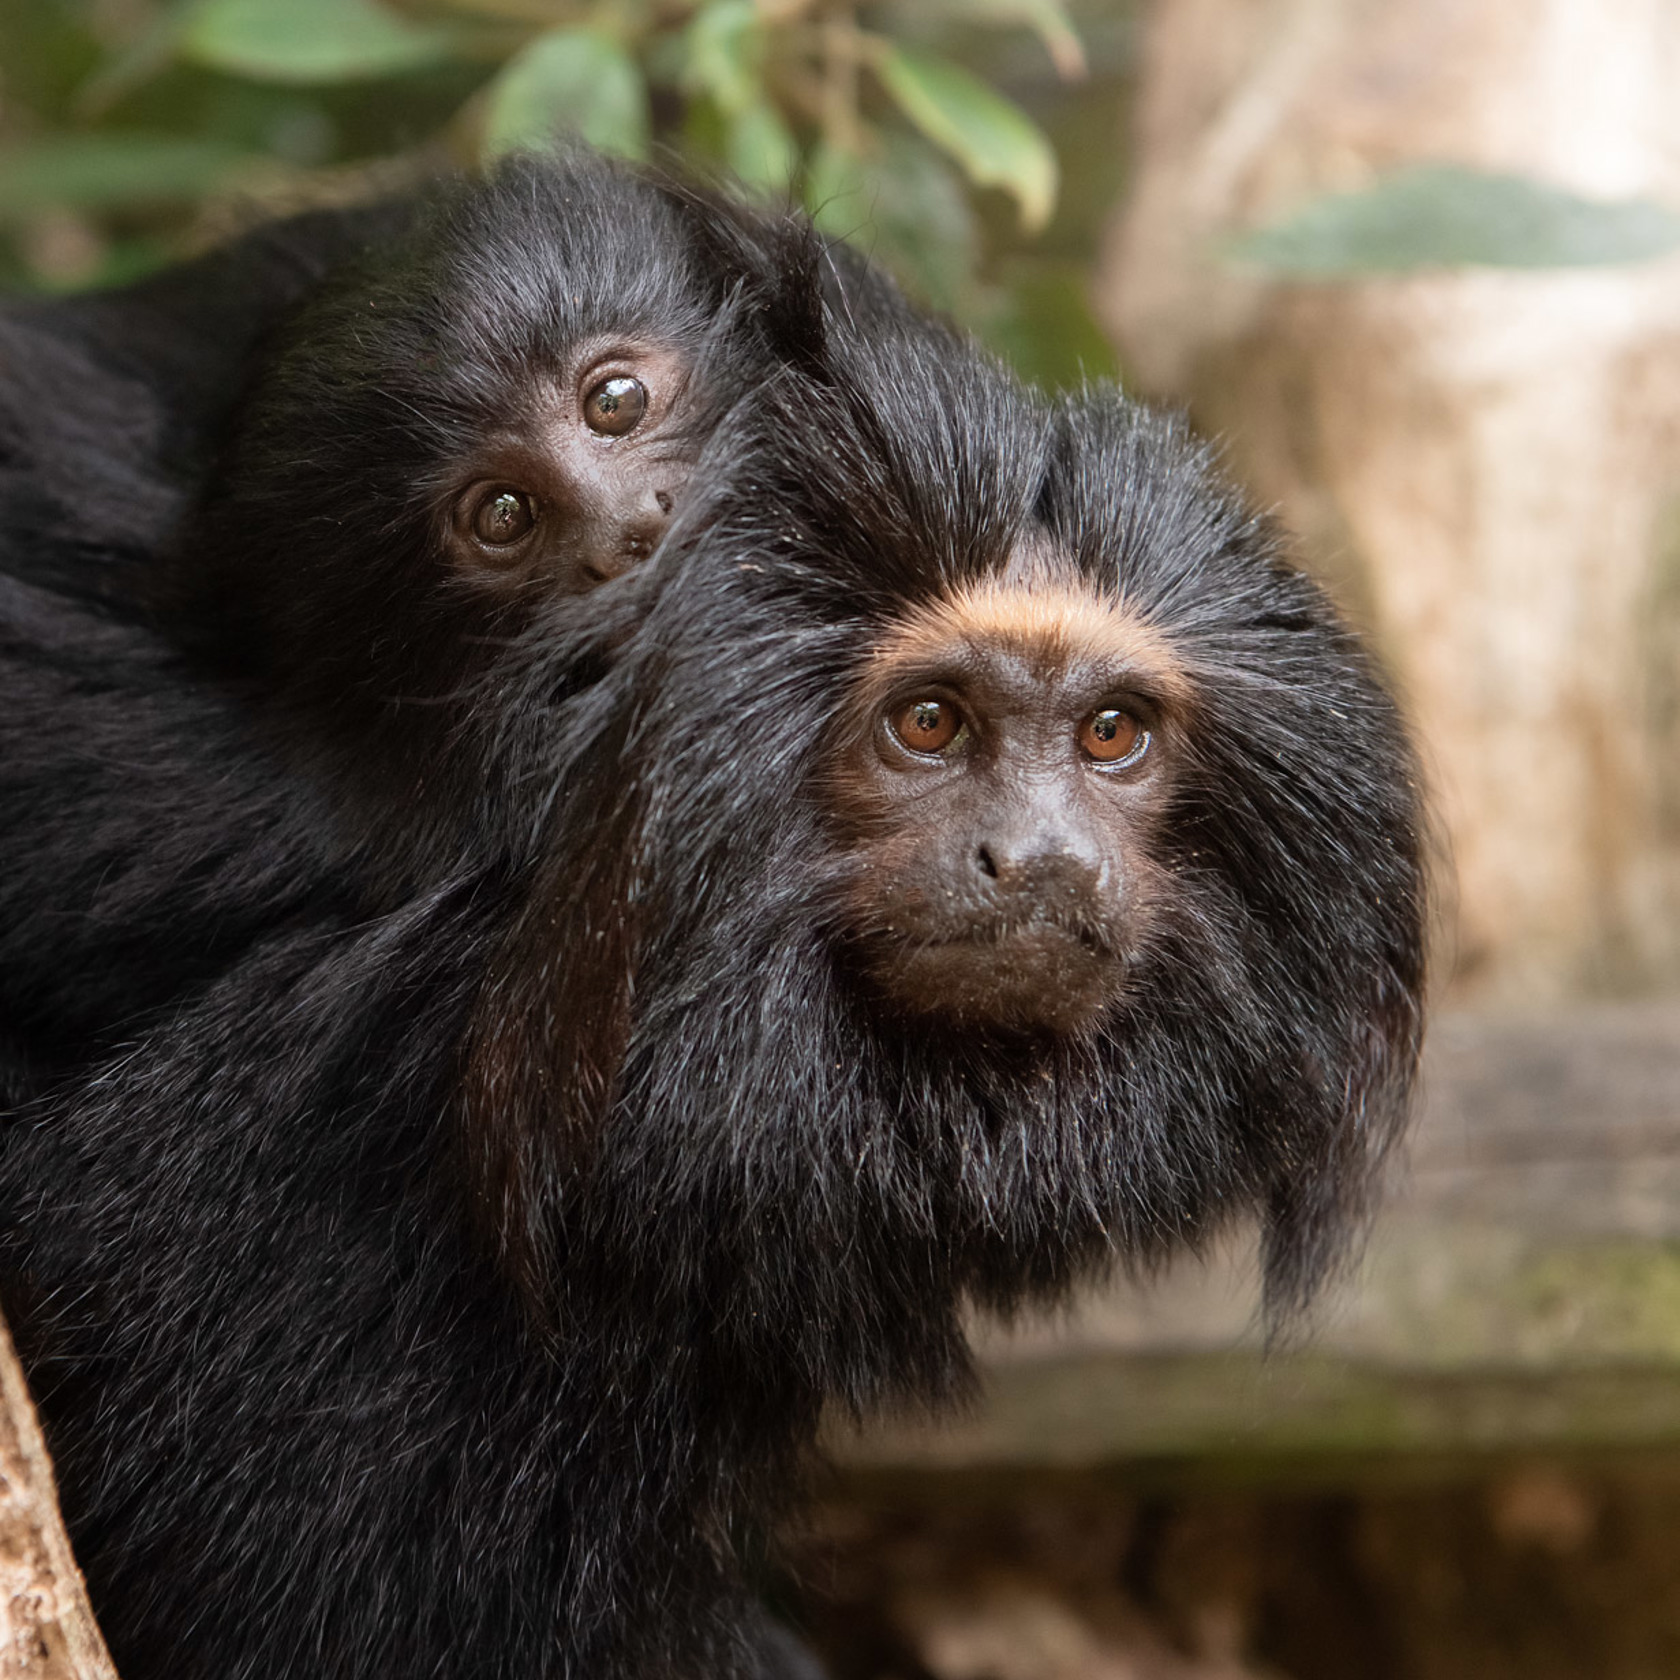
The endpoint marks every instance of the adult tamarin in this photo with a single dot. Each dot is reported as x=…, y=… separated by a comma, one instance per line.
x=960, y=853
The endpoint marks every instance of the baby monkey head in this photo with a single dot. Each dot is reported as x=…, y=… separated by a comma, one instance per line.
x=1002, y=774
x=578, y=485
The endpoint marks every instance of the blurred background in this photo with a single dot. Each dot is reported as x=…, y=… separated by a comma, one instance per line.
x=1414, y=263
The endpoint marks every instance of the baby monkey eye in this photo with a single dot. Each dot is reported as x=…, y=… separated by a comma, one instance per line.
x=926, y=726
x=615, y=406
x=1112, y=736
x=504, y=517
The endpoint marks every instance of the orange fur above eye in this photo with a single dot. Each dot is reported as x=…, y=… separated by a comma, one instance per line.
x=1050, y=617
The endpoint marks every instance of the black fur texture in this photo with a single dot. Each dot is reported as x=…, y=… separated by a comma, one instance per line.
x=451, y=1165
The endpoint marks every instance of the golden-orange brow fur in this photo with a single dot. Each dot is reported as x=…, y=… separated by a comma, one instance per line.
x=1051, y=617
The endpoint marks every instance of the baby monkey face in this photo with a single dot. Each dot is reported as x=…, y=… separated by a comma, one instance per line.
x=581, y=488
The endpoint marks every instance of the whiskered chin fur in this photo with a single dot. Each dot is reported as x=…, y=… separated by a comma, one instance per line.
x=1039, y=975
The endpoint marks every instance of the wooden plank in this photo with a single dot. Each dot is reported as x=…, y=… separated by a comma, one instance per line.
x=1521, y=1289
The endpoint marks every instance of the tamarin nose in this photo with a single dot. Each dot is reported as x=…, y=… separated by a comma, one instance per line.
x=1041, y=868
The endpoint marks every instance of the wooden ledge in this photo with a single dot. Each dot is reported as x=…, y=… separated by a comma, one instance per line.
x=1521, y=1290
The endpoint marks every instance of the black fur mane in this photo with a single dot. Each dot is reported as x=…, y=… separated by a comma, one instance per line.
x=452, y=1163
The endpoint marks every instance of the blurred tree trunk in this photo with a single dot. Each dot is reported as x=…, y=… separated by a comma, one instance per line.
x=1484, y=464
x=47, y=1631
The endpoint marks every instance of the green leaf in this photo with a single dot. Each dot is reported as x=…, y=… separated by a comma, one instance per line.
x=307, y=40
x=106, y=171
x=723, y=51
x=993, y=140
x=839, y=191
x=1047, y=19
x=761, y=149
x=910, y=212
x=1441, y=216
x=157, y=45
x=1040, y=320
x=570, y=81
x=704, y=135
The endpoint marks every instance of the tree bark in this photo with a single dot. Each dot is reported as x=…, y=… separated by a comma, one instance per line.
x=47, y=1630
x=1484, y=464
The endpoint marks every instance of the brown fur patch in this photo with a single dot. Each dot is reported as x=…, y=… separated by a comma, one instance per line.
x=1046, y=615
x=1033, y=607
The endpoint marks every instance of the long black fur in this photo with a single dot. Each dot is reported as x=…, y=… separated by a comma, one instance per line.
x=115, y=405
x=461, y=1167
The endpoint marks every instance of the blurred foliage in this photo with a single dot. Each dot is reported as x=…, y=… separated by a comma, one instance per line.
x=1441, y=216
x=929, y=131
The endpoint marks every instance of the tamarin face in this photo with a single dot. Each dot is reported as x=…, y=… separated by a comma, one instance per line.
x=580, y=484
x=1006, y=756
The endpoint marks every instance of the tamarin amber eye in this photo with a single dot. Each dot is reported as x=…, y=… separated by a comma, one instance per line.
x=504, y=517
x=1112, y=736
x=926, y=726
x=615, y=406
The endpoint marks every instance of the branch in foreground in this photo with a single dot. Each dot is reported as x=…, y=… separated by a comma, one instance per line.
x=47, y=1630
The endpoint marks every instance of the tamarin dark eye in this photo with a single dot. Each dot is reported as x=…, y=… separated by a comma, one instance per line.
x=1112, y=736
x=926, y=726
x=504, y=517
x=615, y=406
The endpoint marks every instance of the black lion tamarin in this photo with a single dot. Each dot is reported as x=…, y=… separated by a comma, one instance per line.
x=658, y=826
